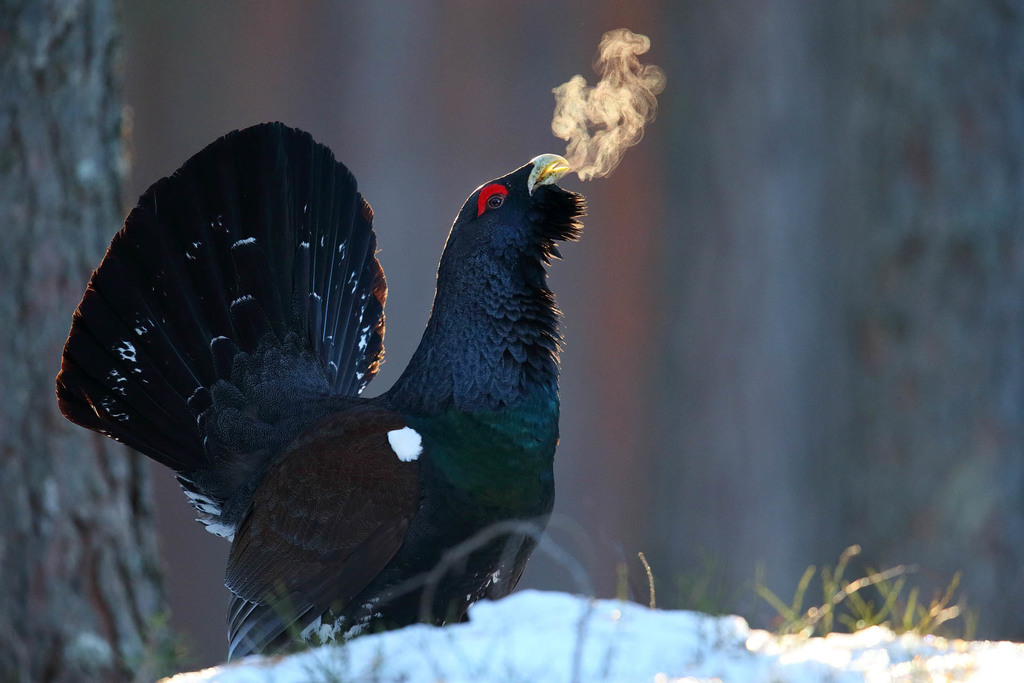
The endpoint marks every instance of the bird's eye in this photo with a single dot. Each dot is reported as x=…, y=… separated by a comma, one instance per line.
x=491, y=197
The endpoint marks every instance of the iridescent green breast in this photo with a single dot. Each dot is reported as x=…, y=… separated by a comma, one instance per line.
x=501, y=458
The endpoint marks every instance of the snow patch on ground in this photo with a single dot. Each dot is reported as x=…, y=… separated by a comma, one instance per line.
x=539, y=637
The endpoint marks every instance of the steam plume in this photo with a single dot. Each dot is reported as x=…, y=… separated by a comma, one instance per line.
x=601, y=122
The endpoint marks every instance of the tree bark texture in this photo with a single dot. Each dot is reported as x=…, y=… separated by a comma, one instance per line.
x=845, y=357
x=79, y=577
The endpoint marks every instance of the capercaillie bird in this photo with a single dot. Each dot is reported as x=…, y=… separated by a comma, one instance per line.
x=228, y=333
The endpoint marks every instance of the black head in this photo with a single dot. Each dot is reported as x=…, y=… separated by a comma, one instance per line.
x=518, y=216
x=493, y=334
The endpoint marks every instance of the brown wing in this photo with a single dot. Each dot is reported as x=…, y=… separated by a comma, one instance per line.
x=323, y=523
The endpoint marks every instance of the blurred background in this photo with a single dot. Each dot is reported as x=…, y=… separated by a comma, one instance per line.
x=796, y=317
x=795, y=320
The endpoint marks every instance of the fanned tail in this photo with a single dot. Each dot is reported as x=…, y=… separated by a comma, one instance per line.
x=240, y=301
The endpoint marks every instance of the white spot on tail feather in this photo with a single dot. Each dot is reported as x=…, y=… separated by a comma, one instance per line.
x=352, y=632
x=247, y=240
x=127, y=351
x=218, y=529
x=406, y=443
x=308, y=631
x=364, y=338
x=202, y=503
x=319, y=633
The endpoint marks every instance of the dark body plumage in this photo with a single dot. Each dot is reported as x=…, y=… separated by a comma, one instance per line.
x=227, y=334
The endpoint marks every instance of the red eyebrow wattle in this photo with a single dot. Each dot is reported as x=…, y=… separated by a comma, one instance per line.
x=486, y=193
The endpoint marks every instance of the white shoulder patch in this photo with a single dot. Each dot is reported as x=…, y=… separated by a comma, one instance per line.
x=406, y=443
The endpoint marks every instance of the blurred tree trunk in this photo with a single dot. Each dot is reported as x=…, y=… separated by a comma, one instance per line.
x=934, y=299
x=80, y=581
x=846, y=356
x=743, y=379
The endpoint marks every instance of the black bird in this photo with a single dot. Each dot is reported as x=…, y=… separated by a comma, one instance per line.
x=227, y=334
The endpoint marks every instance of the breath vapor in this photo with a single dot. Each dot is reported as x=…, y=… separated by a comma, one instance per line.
x=600, y=122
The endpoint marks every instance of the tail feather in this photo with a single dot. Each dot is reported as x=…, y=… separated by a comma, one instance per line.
x=240, y=301
x=348, y=299
x=118, y=379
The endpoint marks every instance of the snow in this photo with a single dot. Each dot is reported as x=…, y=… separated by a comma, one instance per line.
x=547, y=637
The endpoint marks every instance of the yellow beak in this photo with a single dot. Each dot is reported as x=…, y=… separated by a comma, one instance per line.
x=547, y=169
